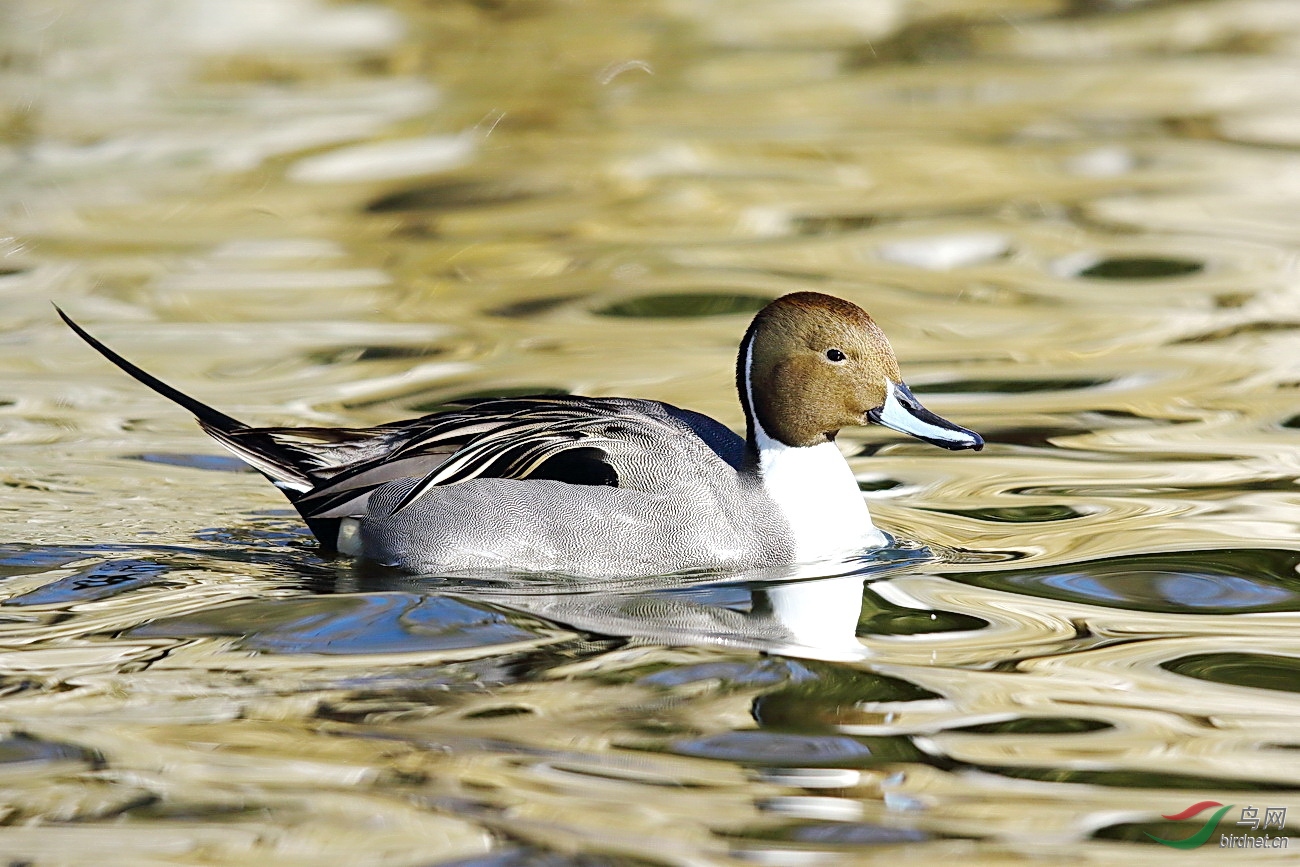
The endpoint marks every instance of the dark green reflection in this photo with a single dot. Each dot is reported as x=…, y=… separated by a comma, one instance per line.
x=1128, y=779
x=1219, y=581
x=531, y=307
x=351, y=354
x=498, y=712
x=943, y=38
x=1240, y=669
x=881, y=617
x=1236, y=331
x=1007, y=386
x=1140, y=268
x=1017, y=514
x=685, y=304
x=832, y=224
x=453, y=195
x=1038, y=725
x=207, y=812
x=818, y=704
x=878, y=484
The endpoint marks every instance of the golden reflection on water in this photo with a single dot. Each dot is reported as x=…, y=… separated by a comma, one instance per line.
x=1074, y=219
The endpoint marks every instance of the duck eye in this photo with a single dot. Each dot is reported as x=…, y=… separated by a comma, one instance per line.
x=835, y=355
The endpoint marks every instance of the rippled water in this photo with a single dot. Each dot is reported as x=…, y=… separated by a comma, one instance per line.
x=1076, y=219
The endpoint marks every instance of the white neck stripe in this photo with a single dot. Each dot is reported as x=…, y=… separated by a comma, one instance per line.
x=749, y=407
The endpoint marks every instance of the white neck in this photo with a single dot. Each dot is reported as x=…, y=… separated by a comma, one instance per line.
x=815, y=491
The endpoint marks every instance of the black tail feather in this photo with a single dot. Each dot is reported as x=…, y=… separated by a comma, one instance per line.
x=206, y=414
x=254, y=446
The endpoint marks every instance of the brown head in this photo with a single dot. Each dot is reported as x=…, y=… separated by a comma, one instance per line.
x=812, y=364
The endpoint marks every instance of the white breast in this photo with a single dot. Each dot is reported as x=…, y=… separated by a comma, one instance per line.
x=819, y=496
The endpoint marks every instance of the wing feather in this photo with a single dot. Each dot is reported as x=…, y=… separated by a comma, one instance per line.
x=505, y=438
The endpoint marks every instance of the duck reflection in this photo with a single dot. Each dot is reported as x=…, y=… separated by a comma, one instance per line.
x=782, y=611
x=346, y=608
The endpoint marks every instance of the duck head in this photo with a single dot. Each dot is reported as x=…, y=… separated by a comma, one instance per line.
x=811, y=364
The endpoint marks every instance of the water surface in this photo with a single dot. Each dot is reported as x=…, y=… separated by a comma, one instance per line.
x=1075, y=220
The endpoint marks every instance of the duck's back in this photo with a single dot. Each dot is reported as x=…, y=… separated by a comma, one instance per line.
x=599, y=486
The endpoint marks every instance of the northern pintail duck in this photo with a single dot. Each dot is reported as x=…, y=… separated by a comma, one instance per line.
x=607, y=486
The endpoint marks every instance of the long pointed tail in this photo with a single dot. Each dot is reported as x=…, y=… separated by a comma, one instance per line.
x=252, y=445
x=286, y=467
x=204, y=413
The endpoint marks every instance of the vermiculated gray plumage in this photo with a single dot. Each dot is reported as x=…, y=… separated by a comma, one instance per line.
x=674, y=502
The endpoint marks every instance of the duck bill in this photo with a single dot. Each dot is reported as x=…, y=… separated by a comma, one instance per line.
x=904, y=413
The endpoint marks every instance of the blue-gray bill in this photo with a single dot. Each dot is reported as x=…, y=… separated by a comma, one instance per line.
x=904, y=413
